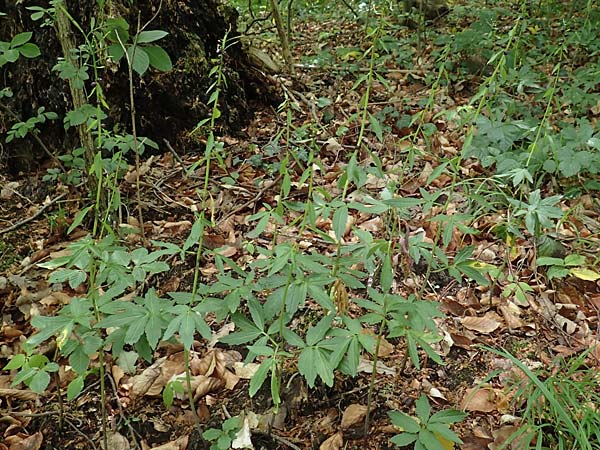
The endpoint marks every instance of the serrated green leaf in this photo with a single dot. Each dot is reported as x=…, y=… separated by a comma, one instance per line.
x=212, y=434
x=260, y=376
x=404, y=439
x=584, y=274
x=318, y=332
x=447, y=416
x=306, y=365
x=423, y=409
x=443, y=431
x=404, y=422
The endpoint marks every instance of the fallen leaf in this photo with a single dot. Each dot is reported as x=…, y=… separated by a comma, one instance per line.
x=243, y=438
x=141, y=384
x=484, y=325
x=481, y=399
x=334, y=442
x=584, y=274
x=116, y=441
x=245, y=371
x=178, y=444
x=33, y=442
x=353, y=415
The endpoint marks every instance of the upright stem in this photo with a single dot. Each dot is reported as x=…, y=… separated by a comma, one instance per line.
x=283, y=37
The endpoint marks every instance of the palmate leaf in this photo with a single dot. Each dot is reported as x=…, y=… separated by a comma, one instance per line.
x=315, y=361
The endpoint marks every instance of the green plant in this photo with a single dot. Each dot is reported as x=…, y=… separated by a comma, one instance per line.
x=79, y=325
x=427, y=431
x=557, y=405
x=223, y=438
x=136, y=47
x=21, y=129
x=18, y=46
x=74, y=166
x=34, y=370
x=573, y=265
x=538, y=212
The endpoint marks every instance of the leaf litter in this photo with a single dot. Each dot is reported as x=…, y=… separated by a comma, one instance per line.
x=561, y=317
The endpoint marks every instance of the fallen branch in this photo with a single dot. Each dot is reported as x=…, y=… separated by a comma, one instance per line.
x=29, y=219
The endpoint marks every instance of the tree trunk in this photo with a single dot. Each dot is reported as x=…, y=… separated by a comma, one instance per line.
x=168, y=104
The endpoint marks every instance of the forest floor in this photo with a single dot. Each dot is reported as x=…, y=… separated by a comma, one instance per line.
x=537, y=320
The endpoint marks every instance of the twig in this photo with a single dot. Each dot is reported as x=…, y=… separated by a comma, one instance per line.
x=284, y=441
x=252, y=201
x=25, y=414
x=132, y=431
x=177, y=157
x=72, y=425
x=29, y=219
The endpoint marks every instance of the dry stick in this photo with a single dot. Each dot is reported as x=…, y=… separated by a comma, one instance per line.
x=284, y=441
x=132, y=432
x=29, y=219
x=40, y=414
x=177, y=157
x=251, y=201
x=72, y=425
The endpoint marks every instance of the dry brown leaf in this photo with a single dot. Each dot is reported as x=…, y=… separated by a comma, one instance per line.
x=512, y=315
x=245, y=371
x=481, y=399
x=224, y=331
x=141, y=384
x=503, y=434
x=18, y=442
x=373, y=225
x=178, y=444
x=366, y=366
x=116, y=441
x=353, y=415
x=485, y=325
x=334, y=442
x=206, y=385
x=230, y=379
x=19, y=394
x=176, y=228
x=118, y=373
x=243, y=438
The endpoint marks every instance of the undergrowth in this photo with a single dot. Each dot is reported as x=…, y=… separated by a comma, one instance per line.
x=525, y=143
